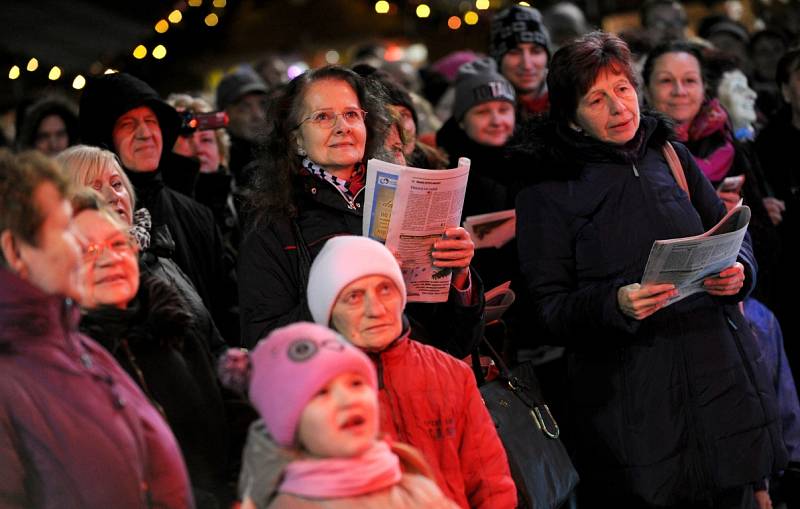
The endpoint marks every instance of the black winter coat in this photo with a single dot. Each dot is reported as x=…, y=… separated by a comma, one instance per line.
x=199, y=250
x=494, y=181
x=671, y=408
x=273, y=272
x=156, y=342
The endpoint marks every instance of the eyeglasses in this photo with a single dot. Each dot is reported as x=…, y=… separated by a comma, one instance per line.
x=326, y=119
x=117, y=245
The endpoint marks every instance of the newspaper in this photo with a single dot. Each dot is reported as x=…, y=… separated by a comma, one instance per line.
x=494, y=229
x=409, y=209
x=687, y=261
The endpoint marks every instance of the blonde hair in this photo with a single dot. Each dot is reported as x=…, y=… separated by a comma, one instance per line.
x=83, y=164
x=193, y=104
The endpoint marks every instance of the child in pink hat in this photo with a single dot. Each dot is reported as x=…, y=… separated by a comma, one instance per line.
x=317, y=396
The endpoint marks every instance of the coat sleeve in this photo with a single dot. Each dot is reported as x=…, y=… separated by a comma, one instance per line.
x=269, y=287
x=547, y=261
x=484, y=464
x=711, y=209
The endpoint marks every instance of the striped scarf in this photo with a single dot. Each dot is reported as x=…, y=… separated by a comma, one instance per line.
x=349, y=188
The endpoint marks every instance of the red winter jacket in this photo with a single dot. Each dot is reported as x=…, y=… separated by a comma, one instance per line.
x=429, y=400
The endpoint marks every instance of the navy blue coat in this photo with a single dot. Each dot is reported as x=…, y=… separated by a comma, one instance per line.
x=670, y=408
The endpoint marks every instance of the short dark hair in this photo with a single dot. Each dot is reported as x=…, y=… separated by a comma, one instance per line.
x=575, y=68
x=789, y=62
x=673, y=47
x=20, y=176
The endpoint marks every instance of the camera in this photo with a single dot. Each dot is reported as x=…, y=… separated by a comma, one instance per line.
x=191, y=122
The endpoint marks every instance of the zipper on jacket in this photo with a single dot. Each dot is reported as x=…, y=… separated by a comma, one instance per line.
x=351, y=203
x=635, y=171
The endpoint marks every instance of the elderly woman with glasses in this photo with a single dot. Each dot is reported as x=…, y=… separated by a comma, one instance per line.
x=310, y=187
x=149, y=328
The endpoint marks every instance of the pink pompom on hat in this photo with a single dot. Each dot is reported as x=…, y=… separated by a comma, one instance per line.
x=291, y=365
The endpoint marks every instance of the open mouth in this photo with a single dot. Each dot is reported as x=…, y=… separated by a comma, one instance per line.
x=354, y=421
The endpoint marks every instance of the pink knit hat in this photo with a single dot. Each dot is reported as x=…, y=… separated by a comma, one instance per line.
x=291, y=365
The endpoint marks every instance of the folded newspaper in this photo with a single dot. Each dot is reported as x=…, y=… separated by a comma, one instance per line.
x=494, y=229
x=409, y=209
x=687, y=261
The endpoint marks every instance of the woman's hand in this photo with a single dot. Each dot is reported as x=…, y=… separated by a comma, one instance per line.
x=727, y=282
x=455, y=250
x=775, y=209
x=639, y=301
x=730, y=200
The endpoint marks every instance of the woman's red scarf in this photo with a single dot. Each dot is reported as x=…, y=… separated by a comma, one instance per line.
x=712, y=118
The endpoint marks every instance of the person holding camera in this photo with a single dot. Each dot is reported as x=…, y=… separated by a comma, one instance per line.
x=123, y=114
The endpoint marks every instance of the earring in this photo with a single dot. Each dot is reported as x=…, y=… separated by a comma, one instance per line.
x=301, y=151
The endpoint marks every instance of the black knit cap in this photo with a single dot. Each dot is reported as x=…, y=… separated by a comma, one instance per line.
x=514, y=25
x=106, y=98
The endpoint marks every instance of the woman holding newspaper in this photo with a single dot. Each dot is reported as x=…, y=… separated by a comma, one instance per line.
x=669, y=401
x=323, y=129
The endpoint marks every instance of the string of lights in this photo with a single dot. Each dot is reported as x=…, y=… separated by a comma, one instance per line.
x=470, y=15
x=158, y=50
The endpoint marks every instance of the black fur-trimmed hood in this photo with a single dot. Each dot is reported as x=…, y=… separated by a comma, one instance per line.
x=559, y=153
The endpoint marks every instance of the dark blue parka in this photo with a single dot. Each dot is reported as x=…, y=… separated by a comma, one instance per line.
x=670, y=408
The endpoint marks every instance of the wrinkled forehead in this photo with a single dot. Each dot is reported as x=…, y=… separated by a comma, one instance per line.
x=139, y=112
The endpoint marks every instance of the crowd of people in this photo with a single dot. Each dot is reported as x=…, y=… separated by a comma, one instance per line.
x=191, y=317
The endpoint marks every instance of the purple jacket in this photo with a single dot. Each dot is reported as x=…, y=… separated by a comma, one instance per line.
x=75, y=430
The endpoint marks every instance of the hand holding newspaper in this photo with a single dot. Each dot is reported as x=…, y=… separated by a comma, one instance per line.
x=687, y=261
x=409, y=209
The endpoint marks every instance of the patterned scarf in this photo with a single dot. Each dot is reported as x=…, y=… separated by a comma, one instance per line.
x=347, y=187
x=378, y=468
x=711, y=118
x=140, y=230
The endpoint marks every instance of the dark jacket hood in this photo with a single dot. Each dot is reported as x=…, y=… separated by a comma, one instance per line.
x=560, y=153
x=41, y=109
x=108, y=97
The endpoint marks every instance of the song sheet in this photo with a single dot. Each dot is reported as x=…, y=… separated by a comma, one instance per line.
x=686, y=262
x=409, y=209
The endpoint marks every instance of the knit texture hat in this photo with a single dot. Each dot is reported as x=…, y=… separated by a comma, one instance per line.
x=106, y=98
x=479, y=82
x=291, y=365
x=243, y=80
x=341, y=261
x=515, y=25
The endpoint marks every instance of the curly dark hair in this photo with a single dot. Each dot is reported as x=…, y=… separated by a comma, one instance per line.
x=277, y=180
x=575, y=67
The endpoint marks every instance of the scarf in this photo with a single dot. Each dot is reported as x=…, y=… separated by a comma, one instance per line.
x=378, y=468
x=140, y=230
x=539, y=104
x=711, y=119
x=349, y=188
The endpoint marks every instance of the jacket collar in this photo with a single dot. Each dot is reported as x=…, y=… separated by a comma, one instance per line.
x=27, y=313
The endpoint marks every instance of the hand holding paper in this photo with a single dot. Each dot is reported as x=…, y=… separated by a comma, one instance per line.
x=727, y=282
x=454, y=250
x=640, y=301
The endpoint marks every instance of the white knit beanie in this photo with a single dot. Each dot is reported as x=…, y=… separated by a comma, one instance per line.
x=341, y=261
